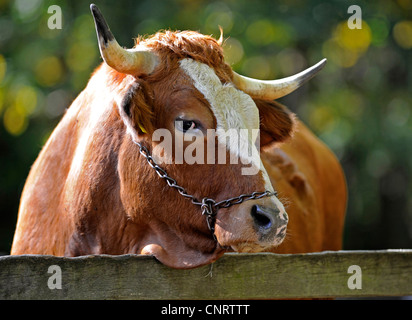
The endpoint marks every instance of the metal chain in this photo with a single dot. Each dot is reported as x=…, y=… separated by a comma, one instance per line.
x=209, y=207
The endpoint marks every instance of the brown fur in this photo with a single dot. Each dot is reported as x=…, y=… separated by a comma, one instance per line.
x=90, y=191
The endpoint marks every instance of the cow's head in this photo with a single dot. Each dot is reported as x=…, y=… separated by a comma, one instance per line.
x=179, y=81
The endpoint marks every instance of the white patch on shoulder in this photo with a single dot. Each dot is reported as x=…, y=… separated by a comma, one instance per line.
x=233, y=109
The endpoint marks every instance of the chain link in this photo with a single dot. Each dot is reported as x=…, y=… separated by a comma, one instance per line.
x=209, y=207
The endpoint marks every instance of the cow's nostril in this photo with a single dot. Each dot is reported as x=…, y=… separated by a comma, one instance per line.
x=260, y=217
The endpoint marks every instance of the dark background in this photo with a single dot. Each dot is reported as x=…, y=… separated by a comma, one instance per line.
x=360, y=104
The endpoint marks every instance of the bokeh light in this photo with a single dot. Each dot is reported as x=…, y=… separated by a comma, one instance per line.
x=402, y=33
x=233, y=50
x=48, y=71
x=347, y=45
x=3, y=68
x=15, y=120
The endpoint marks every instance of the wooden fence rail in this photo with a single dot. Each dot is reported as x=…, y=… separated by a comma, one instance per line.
x=234, y=276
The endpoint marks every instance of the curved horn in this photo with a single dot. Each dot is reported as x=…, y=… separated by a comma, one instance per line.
x=131, y=61
x=274, y=89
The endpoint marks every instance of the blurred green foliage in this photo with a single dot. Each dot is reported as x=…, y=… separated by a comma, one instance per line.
x=360, y=104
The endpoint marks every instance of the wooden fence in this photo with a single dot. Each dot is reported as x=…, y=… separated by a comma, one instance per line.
x=234, y=276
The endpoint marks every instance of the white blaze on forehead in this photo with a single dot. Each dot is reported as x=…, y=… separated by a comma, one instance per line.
x=232, y=108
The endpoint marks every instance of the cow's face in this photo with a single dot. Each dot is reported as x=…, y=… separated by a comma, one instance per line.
x=253, y=225
x=195, y=111
x=203, y=131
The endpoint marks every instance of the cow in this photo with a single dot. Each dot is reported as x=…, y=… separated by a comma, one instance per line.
x=98, y=187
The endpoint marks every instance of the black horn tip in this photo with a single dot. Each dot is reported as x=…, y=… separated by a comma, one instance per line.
x=103, y=31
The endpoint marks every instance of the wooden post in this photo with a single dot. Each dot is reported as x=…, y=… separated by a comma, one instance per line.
x=234, y=276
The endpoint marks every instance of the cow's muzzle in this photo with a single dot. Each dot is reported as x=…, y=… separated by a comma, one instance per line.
x=269, y=223
x=257, y=226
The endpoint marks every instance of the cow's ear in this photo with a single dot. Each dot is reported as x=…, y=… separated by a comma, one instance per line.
x=276, y=122
x=136, y=109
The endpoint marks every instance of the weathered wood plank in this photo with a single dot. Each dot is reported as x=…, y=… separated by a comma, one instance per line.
x=234, y=276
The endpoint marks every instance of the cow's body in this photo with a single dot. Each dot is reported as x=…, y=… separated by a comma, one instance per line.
x=91, y=192
x=312, y=186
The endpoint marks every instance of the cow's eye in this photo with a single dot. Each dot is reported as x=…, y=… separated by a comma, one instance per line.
x=185, y=125
x=188, y=125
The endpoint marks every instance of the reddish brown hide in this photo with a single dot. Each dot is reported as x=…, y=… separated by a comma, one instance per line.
x=91, y=192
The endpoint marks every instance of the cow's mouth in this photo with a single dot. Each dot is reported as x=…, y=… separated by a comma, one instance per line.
x=249, y=247
x=254, y=247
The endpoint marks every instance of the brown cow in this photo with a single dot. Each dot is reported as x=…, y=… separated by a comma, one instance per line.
x=96, y=187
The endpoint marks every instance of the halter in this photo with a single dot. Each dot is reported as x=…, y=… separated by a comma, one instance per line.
x=208, y=206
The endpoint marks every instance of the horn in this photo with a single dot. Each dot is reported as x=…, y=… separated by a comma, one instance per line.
x=134, y=61
x=274, y=89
